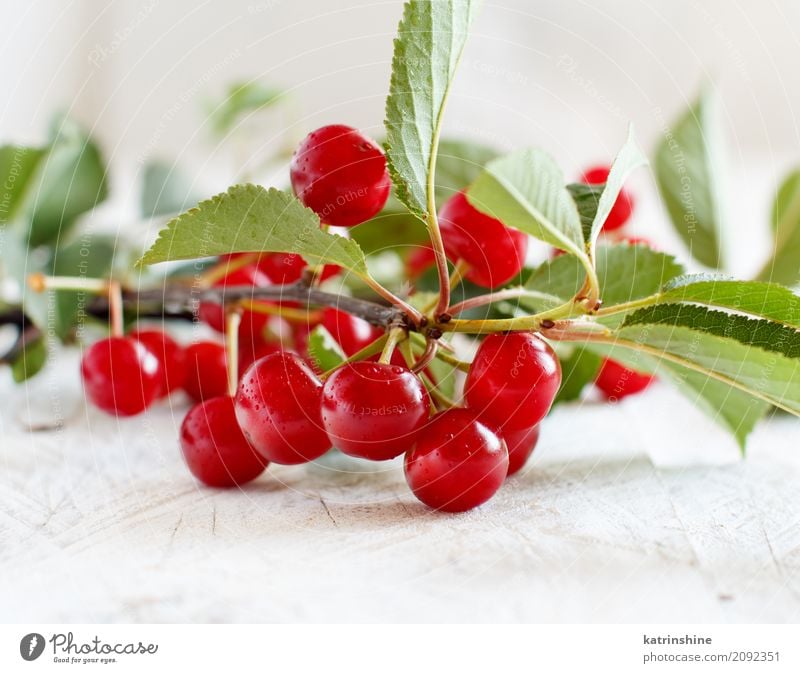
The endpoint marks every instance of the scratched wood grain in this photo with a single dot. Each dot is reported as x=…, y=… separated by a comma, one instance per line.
x=640, y=512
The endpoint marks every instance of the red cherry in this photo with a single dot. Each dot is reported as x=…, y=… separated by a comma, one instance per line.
x=495, y=253
x=521, y=444
x=341, y=175
x=617, y=381
x=623, y=206
x=285, y=267
x=206, y=371
x=457, y=463
x=282, y=267
x=214, y=447
x=252, y=324
x=170, y=355
x=373, y=410
x=352, y=333
x=278, y=409
x=120, y=376
x=513, y=380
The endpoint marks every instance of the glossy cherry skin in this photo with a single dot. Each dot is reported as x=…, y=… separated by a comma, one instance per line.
x=495, y=253
x=617, y=381
x=457, y=463
x=521, y=444
x=513, y=380
x=252, y=324
x=214, y=447
x=372, y=410
x=171, y=357
x=120, y=376
x=341, y=175
x=352, y=333
x=623, y=206
x=278, y=409
x=206, y=371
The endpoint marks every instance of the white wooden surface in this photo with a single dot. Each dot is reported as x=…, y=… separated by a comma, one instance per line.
x=642, y=512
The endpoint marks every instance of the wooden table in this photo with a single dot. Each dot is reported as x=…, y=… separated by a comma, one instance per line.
x=639, y=512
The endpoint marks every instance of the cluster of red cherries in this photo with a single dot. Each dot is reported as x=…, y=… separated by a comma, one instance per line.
x=283, y=410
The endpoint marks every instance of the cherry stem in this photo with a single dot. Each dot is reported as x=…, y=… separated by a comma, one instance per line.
x=528, y=323
x=38, y=282
x=431, y=385
x=288, y=313
x=590, y=292
x=437, y=243
x=233, y=319
x=393, y=337
x=453, y=281
x=501, y=295
x=455, y=362
x=115, y=311
x=433, y=390
x=458, y=274
x=415, y=315
x=371, y=349
x=431, y=348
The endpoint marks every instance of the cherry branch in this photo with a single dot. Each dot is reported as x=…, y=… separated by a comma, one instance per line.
x=179, y=298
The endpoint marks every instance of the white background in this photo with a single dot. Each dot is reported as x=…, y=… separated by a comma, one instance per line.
x=567, y=76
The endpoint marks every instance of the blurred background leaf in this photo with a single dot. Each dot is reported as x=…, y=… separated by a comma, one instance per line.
x=784, y=265
x=165, y=190
x=17, y=166
x=690, y=168
x=71, y=179
x=240, y=99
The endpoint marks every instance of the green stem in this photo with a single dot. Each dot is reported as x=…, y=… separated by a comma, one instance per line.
x=531, y=323
x=592, y=285
x=455, y=362
x=628, y=306
x=501, y=295
x=395, y=335
x=371, y=349
x=437, y=394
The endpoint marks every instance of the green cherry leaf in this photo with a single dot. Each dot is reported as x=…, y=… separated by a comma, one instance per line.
x=587, y=200
x=733, y=409
x=689, y=168
x=526, y=191
x=250, y=218
x=578, y=369
x=629, y=158
x=754, y=298
x=427, y=50
x=626, y=272
x=324, y=349
x=742, y=353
